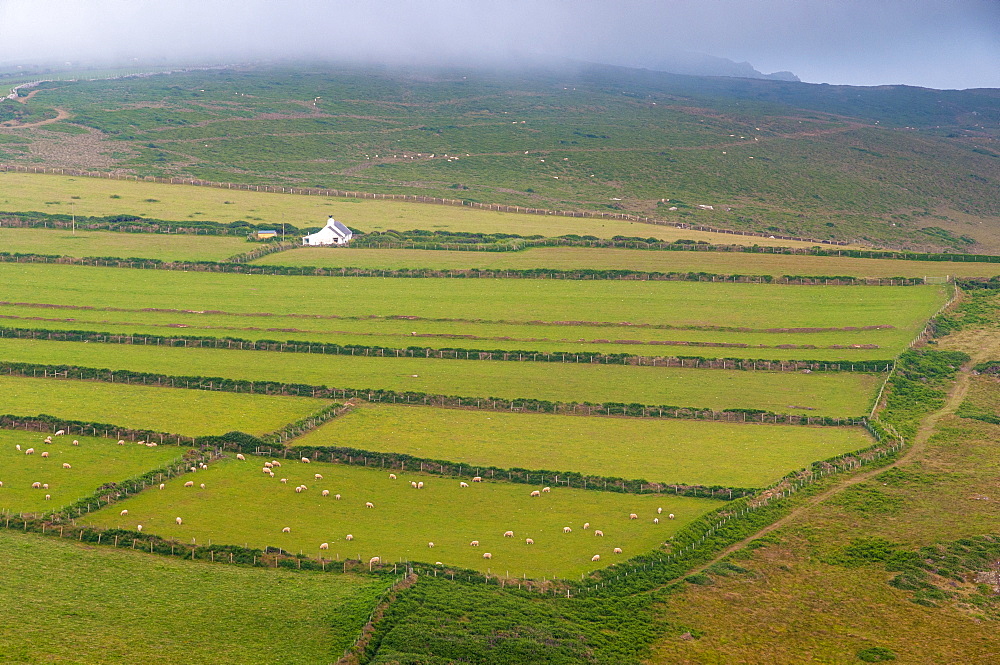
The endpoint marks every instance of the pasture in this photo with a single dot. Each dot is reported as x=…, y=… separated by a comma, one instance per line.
x=173, y=410
x=667, y=451
x=166, y=247
x=240, y=505
x=54, y=194
x=79, y=604
x=816, y=394
x=581, y=258
x=94, y=462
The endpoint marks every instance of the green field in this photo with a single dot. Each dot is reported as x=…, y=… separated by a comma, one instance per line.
x=94, y=462
x=669, y=451
x=54, y=194
x=240, y=505
x=79, y=604
x=540, y=315
x=166, y=247
x=173, y=410
x=816, y=394
x=578, y=258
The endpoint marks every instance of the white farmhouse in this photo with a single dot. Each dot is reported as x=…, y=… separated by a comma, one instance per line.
x=334, y=233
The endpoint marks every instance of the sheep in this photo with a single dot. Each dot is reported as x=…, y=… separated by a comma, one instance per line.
x=596, y=557
x=369, y=504
x=48, y=496
x=348, y=537
x=656, y=520
x=48, y=439
x=194, y=468
x=267, y=465
x=413, y=484
x=45, y=486
x=430, y=544
x=178, y=520
x=318, y=476
x=337, y=497
x=618, y=550
x=138, y=527
x=529, y=541
x=18, y=446
x=546, y=489
x=306, y=460
x=487, y=555
x=36, y=486
x=659, y=511
x=477, y=479
x=392, y=476
x=202, y=486
x=267, y=471
x=474, y=543
x=670, y=516
x=151, y=444
x=162, y=485
x=60, y=432
x=374, y=559
x=599, y=533
x=284, y=480
x=633, y=516
x=240, y=456
x=29, y=451
x=566, y=529
x=275, y=462
x=324, y=546
x=121, y=442
x=508, y=534
x=535, y=493
x=124, y=512
x=586, y=525
x=75, y=442
x=420, y=485
x=463, y=484
x=298, y=490
x=189, y=483
x=287, y=529
x=45, y=453
x=325, y=493
x=1, y=484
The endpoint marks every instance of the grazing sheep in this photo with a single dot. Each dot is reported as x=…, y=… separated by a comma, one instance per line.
x=75, y=442
x=36, y=486
x=48, y=439
x=337, y=497
x=392, y=476
x=618, y=550
x=138, y=527
x=463, y=484
x=45, y=453
x=18, y=446
x=194, y=468
x=284, y=480
x=546, y=489
x=268, y=465
x=529, y=541
x=369, y=504
x=287, y=529
x=477, y=479
x=48, y=496
x=267, y=471
x=508, y=534
x=275, y=462
x=586, y=525
x=596, y=557
x=348, y=537
x=318, y=476
x=151, y=444
x=659, y=511
x=633, y=516
x=535, y=493
x=475, y=543
x=189, y=483
x=162, y=485
x=670, y=516
x=29, y=451
x=413, y=484
x=430, y=544
x=598, y=532
x=179, y=520
x=656, y=520
x=1, y=484
x=202, y=486
x=325, y=493
x=45, y=486
x=566, y=529
x=298, y=490
x=374, y=559
x=124, y=513
x=240, y=456
x=121, y=442
x=487, y=555
x=324, y=546
x=420, y=485
x=60, y=432
x=306, y=460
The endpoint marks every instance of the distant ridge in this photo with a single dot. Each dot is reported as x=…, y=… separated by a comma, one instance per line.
x=702, y=64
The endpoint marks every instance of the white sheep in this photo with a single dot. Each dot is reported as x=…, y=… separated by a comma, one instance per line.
x=45, y=453
x=75, y=442
x=1, y=484
x=324, y=546
x=267, y=465
x=29, y=451
x=298, y=490
x=36, y=486
x=121, y=442
x=267, y=471
x=189, y=483
x=138, y=527
x=325, y=493
x=202, y=486
x=670, y=516
x=529, y=541
x=474, y=543
x=66, y=465
x=618, y=550
x=124, y=512
x=392, y=476
x=337, y=497
x=162, y=485
x=374, y=559
x=566, y=529
x=240, y=456
x=60, y=432
x=48, y=439
x=306, y=460
x=633, y=516
x=546, y=489
x=586, y=525
x=275, y=462
x=318, y=476
x=45, y=486
x=193, y=469
x=348, y=537
x=535, y=493
x=659, y=511
x=420, y=485
x=598, y=532
x=287, y=529
x=48, y=496
x=430, y=544
x=284, y=480
x=369, y=504
x=487, y=555
x=413, y=484
x=18, y=446
x=179, y=520
x=596, y=557
x=508, y=534
x=477, y=479
x=656, y=520
x=463, y=484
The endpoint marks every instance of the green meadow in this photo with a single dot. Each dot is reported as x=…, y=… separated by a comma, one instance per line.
x=668, y=451
x=77, y=604
x=173, y=410
x=94, y=462
x=816, y=394
x=163, y=246
x=240, y=505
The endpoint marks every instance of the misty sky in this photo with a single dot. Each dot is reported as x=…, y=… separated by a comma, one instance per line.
x=940, y=43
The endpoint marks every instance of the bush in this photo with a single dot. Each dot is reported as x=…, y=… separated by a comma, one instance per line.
x=876, y=655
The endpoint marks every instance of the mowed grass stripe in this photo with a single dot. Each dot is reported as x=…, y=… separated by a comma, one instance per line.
x=98, y=605
x=241, y=505
x=677, y=303
x=579, y=258
x=817, y=394
x=173, y=410
x=166, y=247
x=94, y=462
x=665, y=451
x=51, y=194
